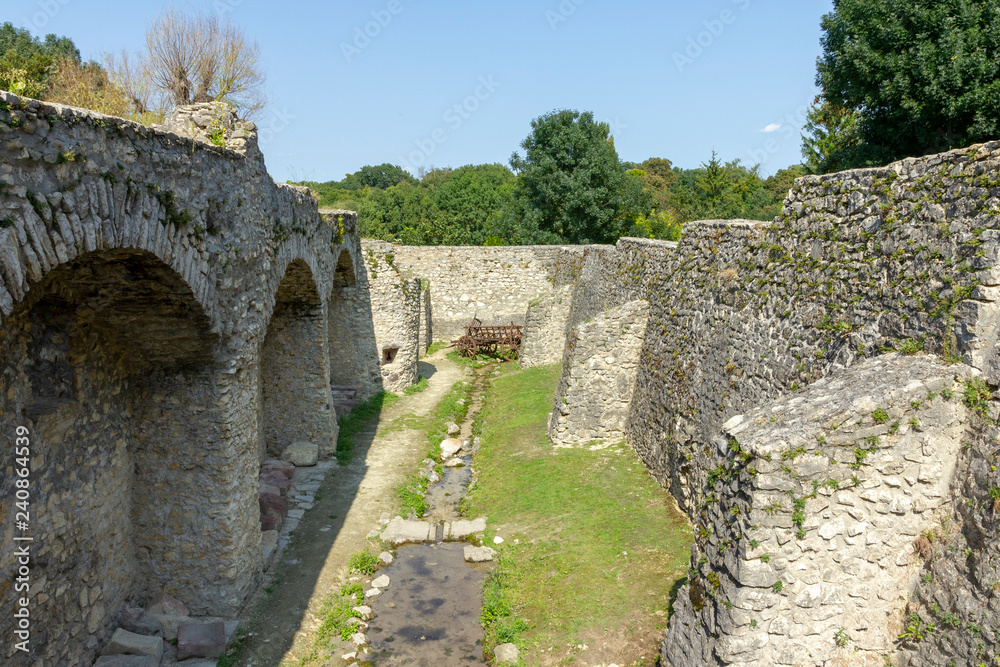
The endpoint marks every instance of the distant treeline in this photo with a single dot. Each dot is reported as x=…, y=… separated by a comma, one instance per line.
x=474, y=204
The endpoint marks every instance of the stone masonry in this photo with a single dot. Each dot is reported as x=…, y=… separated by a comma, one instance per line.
x=596, y=389
x=165, y=311
x=810, y=514
x=742, y=313
x=545, y=328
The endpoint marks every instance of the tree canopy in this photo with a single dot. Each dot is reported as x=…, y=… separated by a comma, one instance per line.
x=27, y=62
x=922, y=76
x=571, y=186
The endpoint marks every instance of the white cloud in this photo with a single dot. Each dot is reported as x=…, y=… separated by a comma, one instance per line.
x=773, y=127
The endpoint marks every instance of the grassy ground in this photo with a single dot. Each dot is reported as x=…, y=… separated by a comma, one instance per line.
x=452, y=408
x=362, y=416
x=593, y=549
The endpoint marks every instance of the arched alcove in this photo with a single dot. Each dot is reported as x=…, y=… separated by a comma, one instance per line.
x=108, y=362
x=295, y=383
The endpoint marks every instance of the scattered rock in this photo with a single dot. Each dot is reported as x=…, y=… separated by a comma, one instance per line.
x=366, y=612
x=276, y=479
x=479, y=554
x=385, y=558
x=381, y=582
x=453, y=429
x=373, y=593
x=201, y=640
x=124, y=642
x=127, y=661
x=384, y=518
x=132, y=619
x=301, y=454
x=506, y=654
x=450, y=447
x=459, y=530
x=275, y=503
x=268, y=490
x=454, y=463
x=284, y=468
x=167, y=604
x=497, y=540
x=169, y=613
x=359, y=638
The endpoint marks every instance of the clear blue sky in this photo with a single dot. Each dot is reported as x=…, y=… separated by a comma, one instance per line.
x=675, y=79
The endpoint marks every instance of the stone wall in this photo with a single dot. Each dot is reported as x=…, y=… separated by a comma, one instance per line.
x=741, y=313
x=396, y=305
x=495, y=284
x=545, y=328
x=595, y=390
x=141, y=275
x=807, y=530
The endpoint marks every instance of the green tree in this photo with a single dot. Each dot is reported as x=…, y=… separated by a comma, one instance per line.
x=831, y=141
x=27, y=62
x=380, y=177
x=571, y=186
x=923, y=75
x=470, y=201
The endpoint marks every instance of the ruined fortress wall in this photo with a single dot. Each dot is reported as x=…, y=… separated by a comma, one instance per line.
x=495, y=284
x=743, y=312
x=596, y=389
x=140, y=273
x=396, y=303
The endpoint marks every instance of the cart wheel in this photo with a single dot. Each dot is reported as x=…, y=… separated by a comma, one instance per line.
x=467, y=346
x=510, y=348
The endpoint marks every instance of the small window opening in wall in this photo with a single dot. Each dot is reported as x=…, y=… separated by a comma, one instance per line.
x=389, y=355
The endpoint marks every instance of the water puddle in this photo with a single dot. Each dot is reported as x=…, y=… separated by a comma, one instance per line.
x=429, y=615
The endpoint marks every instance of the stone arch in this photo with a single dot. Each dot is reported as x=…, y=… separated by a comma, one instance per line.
x=110, y=362
x=344, y=275
x=296, y=404
x=354, y=369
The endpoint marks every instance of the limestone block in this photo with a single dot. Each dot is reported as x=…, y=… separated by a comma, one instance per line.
x=478, y=554
x=124, y=642
x=201, y=640
x=127, y=661
x=399, y=531
x=461, y=529
x=450, y=447
x=506, y=654
x=274, y=465
x=301, y=454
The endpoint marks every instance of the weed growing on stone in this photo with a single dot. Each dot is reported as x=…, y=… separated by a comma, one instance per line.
x=336, y=615
x=363, y=562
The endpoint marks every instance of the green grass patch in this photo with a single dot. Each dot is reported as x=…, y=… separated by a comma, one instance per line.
x=601, y=546
x=336, y=615
x=420, y=386
x=435, y=346
x=362, y=416
x=453, y=407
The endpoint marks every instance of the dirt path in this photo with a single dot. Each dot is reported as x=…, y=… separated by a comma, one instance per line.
x=347, y=508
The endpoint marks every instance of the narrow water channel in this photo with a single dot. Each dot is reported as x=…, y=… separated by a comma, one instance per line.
x=429, y=615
